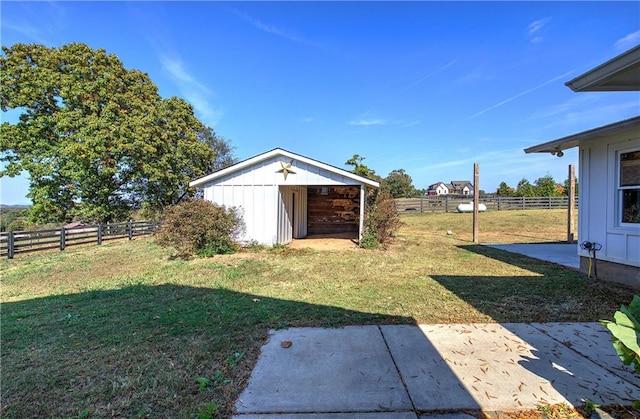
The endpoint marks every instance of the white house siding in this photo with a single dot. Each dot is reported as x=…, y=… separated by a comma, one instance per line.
x=258, y=223
x=599, y=202
x=269, y=172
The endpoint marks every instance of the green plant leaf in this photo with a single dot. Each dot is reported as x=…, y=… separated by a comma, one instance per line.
x=634, y=306
x=625, y=318
x=626, y=335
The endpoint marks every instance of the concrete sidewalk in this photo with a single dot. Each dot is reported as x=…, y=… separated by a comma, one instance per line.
x=560, y=253
x=433, y=371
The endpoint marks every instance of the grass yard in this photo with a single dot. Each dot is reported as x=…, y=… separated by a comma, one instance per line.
x=124, y=330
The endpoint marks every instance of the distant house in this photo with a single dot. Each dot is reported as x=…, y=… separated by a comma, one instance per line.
x=609, y=173
x=284, y=196
x=455, y=187
x=439, y=188
x=462, y=187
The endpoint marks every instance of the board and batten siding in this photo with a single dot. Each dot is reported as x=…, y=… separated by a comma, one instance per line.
x=257, y=205
x=598, y=218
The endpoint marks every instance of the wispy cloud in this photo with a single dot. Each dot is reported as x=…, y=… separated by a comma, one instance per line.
x=40, y=21
x=536, y=26
x=194, y=92
x=27, y=30
x=525, y=92
x=585, y=114
x=489, y=157
x=497, y=160
x=178, y=72
x=274, y=30
x=629, y=41
x=367, y=119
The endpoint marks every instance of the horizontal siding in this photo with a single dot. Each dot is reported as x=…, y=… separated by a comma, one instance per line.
x=337, y=212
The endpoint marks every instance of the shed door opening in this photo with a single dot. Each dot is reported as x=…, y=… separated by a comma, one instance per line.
x=333, y=210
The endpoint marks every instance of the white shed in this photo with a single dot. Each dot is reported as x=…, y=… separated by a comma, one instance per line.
x=609, y=174
x=283, y=195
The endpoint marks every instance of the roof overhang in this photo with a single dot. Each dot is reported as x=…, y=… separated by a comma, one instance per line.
x=631, y=125
x=199, y=183
x=621, y=73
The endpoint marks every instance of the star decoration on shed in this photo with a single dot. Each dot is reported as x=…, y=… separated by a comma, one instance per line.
x=286, y=169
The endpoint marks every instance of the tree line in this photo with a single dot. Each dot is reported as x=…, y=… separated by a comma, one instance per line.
x=400, y=185
x=543, y=186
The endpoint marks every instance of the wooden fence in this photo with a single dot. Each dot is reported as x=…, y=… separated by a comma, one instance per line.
x=446, y=203
x=15, y=242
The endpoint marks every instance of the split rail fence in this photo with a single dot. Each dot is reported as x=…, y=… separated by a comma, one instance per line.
x=16, y=242
x=445, y=203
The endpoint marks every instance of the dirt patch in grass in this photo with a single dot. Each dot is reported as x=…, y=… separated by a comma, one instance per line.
x=344, y=241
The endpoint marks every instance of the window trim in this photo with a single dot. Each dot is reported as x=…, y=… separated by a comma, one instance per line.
x=619, y=188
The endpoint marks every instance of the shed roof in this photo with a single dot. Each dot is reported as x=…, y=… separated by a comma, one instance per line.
x=281, y=152
x=621, y=73
x=631, y=125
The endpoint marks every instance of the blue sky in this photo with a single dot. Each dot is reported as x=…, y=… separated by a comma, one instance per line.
x=428, y=87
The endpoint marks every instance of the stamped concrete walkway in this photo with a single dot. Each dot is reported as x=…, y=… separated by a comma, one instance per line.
x=433, y=371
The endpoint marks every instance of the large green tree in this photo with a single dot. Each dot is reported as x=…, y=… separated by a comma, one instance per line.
x=221, y=147
x=505, y=190
x=398, y=183
x=546, y=186
x=96, y=139
x=525, y=188
x=359, y=168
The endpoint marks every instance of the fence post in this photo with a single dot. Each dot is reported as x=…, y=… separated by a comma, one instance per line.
x=549, y=202
x=421, y=201
x=522, y=205
x=63, y=233
x=130, y=227
x=446, y=203
x=10, y=248
x=99, y=233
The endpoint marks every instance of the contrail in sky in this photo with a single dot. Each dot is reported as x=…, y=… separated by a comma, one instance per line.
x=521, y=94
x=433, y=73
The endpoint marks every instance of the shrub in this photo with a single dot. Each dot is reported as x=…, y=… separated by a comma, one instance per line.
x=381, y=221
x=624, y=333
x=198, y=227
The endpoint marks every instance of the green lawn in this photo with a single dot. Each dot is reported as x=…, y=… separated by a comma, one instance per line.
x=123, y=329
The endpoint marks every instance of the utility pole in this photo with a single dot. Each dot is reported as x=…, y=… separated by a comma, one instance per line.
x=476, y=201
x=571, y=205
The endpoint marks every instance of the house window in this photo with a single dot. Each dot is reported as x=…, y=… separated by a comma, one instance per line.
x=324, y=190
x=629, y=187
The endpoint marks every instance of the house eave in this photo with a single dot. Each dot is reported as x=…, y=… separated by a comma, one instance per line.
x=198, y=183
x=621, y=73
x=628, y=125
